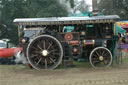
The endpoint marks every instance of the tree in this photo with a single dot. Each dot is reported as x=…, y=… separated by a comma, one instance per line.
x=81, y=6
x=11, y=9
x=46, y=8
x=118, y=7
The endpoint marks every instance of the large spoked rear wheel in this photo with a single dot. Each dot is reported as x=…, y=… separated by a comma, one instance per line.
x=44, y=52
x=100, y=57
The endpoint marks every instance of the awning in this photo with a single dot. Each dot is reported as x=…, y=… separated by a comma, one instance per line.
x=66, y=20
x=123, y=24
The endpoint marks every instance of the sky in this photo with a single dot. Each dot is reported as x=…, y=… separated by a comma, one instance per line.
x=89, y=2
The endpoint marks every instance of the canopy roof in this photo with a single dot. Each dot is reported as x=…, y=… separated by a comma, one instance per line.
x=66, y=20
x=123, y=24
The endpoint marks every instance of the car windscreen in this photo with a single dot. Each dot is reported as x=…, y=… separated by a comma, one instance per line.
x=30, y=33
x=33, y=32
x=3, y=45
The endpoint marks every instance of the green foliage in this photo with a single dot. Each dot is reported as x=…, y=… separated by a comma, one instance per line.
x=11, y=9
x=118, y=7
x=81, y=6
x=72, y=3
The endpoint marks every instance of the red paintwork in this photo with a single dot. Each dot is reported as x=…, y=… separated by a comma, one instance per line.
x=74, y=42
x=126, y=50
x=8, y=52
x=68, y=36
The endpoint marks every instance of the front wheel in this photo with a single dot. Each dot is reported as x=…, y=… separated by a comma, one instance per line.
x=44, y=52
x=100, y=57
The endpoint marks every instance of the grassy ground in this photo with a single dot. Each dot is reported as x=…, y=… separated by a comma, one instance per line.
x=80, y=74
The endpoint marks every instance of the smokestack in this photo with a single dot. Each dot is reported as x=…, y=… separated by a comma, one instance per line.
x=94, y=7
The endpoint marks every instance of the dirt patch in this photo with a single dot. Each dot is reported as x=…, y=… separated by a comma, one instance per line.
x=18, y=75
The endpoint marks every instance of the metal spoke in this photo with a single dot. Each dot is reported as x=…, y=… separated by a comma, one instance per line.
x=34, y=48
x=57, y=53
x=39, y=47
x=95, y=59
x=46, y=66
x=96, y=62
x=33, y=56
x=49, y=46
x=104, y=57
x=103, y=52
x=101, y=63
x=100, y=52
x=38, y=62
x=37, y=52
x=52, y=60
x=97, y=53
x=45, y=52
x=44, y=44
x=105, y=62
x=52, y=55
x=52, y=51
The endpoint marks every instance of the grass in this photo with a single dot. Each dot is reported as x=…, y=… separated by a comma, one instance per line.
x=80, y=74
x=125, y=58
x=75, y=64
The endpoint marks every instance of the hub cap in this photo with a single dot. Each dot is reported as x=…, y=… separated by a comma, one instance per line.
x=45, y=53
x=101, y=58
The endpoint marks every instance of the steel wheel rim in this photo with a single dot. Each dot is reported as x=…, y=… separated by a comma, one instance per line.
x=46, y=50
x=100, y=57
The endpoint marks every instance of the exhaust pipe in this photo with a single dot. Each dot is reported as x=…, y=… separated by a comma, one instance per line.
x=94, y=8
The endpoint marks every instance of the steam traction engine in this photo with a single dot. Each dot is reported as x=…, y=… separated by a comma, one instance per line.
x=48, y=41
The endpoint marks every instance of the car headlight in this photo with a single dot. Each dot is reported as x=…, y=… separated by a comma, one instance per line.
x=24, y=39
x=83, y=33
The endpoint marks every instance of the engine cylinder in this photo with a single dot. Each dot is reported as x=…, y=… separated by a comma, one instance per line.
x=88, y=42
x=93, y=43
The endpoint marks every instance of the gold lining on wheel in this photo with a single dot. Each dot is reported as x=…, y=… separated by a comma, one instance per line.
x=101, y=58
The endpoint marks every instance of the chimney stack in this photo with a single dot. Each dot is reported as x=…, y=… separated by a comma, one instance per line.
x=94, y=8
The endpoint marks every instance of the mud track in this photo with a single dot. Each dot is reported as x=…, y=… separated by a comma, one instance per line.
x=18, y=75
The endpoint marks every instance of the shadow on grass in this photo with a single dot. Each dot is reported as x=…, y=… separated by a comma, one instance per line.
x=75, y=64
